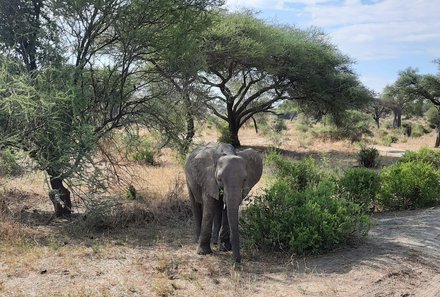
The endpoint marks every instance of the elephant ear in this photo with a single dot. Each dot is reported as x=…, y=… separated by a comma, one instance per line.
x=254, y=168
x=205, y=163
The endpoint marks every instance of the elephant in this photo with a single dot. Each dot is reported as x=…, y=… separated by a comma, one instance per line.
x=218, y=178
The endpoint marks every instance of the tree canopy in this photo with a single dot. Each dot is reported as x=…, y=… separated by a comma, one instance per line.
x=250, y=66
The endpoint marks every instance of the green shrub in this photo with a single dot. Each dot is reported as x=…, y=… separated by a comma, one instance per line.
x=298, y=174
x=145, y=155
x=418, y=131
x=9, y=163
x=140, y=149
x=311, y=221
x=424, y=155
x=353, y=126
x=409, y=185
x=388, y=125
x=302, y=127
x=433, y=117
x=225, y=134
x=302, y=123
x=368, y=157
x=131, y=193
x=389, y=139
x=407, y=129
x=361, y=186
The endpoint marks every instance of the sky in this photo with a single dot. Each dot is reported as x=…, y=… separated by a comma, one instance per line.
x=382, y=36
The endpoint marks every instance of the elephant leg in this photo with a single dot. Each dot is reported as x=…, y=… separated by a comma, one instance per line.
x=225, y=242
x=197, y=213
x=216, y=226
x=217, y=222
x=209, y=208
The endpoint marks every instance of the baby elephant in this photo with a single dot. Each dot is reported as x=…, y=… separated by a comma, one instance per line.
x=218, y=178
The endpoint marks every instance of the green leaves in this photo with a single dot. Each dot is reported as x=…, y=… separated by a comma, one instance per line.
x=303, y=211
x=309, y=221
x=360, y=186
x=409, y=185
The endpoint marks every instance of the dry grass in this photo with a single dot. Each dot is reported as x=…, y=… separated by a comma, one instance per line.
x=145, y=247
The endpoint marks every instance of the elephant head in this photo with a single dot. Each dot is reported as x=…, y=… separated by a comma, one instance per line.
x=220, y=167
x=236, y=175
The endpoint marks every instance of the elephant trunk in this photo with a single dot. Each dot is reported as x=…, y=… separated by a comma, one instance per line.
x=232, y=204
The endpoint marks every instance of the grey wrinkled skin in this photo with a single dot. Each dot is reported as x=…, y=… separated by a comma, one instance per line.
x=218, y=178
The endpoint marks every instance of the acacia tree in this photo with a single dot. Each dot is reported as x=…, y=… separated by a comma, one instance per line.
x=399, y=96
x=414, y=86
x=429, y=89
x=102, y=84
x=378, y=110
x=251, y=66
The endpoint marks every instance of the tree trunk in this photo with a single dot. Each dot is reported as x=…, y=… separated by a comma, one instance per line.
x=233, y=130
x=397, y=123
x=60, y=196
x=377, y=120
x=437, y=141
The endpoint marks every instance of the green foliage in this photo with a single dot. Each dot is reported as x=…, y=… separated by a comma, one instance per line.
x=388, y=139
x=412, y=129
x=353, y=125
x=409, y=185
x=131, y=193
x=9, y=163
x=29, y=24
x=303, y=123
x=298, y=175
x=396, y=96
x=271, y=63
x=311, y=221
x=225, y=134
x=433, y=117
x=418, y=131
x=424, y=155
x=407, y=128
x=141, y=149
x=368, y=157
x=361, y=186
x=272, y=129
x=45, y=119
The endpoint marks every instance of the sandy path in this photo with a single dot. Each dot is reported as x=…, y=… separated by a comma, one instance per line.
x=400, y=258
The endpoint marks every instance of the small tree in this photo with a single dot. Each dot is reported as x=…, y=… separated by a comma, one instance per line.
x=421, y=87
x=378, y=109
x=399, y=96
x=433, y=116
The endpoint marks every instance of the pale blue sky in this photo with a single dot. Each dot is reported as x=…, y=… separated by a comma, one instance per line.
x=382, y=36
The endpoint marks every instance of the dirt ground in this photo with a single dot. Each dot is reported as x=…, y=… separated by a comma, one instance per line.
x=41, y=256
x=401, y=257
